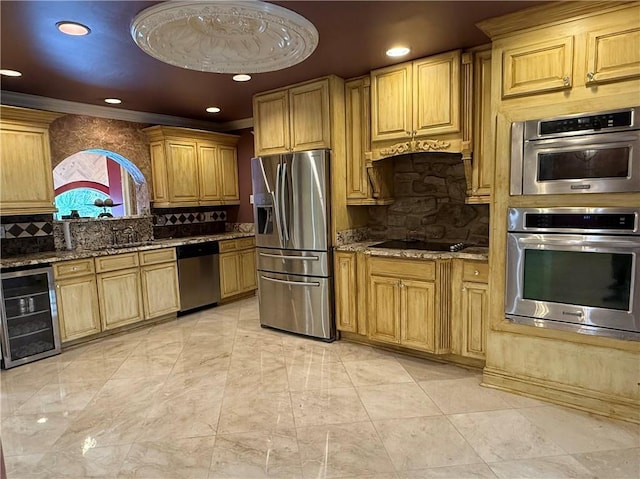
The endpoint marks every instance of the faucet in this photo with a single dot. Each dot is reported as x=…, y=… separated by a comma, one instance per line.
x=131, y=234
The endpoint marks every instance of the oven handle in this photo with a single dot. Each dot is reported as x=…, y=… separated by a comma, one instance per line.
x=607, y=241
x=294, y=283
x=282, y=256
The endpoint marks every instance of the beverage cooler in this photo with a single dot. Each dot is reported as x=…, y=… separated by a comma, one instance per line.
x=29, y=316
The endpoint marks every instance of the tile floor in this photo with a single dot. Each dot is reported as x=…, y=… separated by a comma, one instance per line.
x=212, y=395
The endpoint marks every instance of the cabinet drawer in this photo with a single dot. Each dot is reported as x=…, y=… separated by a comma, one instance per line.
x=244, y=243
x=227, y=245
x=475, y=271
x=157, y=256
x=71, y=269
x=115, y=262
x=416, y=269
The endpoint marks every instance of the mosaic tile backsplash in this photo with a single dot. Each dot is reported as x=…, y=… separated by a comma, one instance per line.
x=26, y=234
x=183, y=222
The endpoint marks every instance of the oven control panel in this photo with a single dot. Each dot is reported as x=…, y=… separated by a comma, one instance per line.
x=591, y=122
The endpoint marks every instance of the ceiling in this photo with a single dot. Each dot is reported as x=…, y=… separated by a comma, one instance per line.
x=107, y=63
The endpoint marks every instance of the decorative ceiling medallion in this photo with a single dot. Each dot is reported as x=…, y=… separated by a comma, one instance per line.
x=224, y=36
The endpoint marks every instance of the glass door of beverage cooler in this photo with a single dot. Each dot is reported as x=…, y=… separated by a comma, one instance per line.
x=29, y=316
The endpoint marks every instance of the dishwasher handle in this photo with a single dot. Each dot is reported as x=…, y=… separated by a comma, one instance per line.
x=197, y=249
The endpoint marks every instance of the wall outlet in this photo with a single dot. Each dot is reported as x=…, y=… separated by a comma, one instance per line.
x=251, y=199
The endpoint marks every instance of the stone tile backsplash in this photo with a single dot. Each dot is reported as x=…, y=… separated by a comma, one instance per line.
x=95, y=234
x=183, y=222
x=430, y=203
x=22, y=234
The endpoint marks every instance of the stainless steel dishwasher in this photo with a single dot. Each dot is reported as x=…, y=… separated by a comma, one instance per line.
x=198, y=275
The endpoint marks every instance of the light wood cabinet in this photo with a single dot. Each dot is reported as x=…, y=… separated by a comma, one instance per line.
x=119, y=290
x=367, y=184
x=401, y=304
x=470, y=293
x=481, y=166
x=159, y=281
x=293, y=119
x=26, y=177
x=345, y=291
x=416, y=99
x=77, y=299
x=594, y=51
x=237, y=267
x=193, y=167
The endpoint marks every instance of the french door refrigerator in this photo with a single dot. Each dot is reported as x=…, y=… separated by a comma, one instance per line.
x=292, y=219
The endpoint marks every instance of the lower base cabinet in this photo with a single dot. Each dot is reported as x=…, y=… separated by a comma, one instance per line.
x=96, y=295
x=237, y=267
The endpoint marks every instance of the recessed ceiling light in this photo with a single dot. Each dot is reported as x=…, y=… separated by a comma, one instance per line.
x=241, y=77
x=398, y=51
x=113, y=101
x=10, y=73
x=73, y=28
x=213, y=109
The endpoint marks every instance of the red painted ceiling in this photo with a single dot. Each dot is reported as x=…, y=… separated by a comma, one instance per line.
x=353, y=38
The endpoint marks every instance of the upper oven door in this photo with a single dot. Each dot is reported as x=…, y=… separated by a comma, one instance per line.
x=595, y=163
x=587, y=280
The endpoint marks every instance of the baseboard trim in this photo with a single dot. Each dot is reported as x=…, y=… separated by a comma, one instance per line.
x=564, y=395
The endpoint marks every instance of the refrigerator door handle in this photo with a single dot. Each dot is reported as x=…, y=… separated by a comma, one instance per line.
x=276, y=202
x=315, y=284
x=283, y=205
x=280, y=256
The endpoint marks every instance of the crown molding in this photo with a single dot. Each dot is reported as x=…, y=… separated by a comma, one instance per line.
x=70, y=107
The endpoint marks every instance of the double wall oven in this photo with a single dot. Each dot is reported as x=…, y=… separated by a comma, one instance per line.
x=575, y=269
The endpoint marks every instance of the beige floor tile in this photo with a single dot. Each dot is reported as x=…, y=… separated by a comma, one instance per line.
x=58, y=397
x=310, y=352
x=89, y=461
x=11, y=402
x=423, y=442
x=466, y=471
x=504, y=435
x=259, y=411
x=329, y=406
x=565, y=467
x=89, y=370
x=256, y=455
x=384, y=475
x=395, y=401
x=576, y=431
x=25, y=467
x=269, y=378
x=127, y=394
x=181, y=420
x=377, y=371
x=463, y=395
x=341, y=450
x=33, y=433
x=304, y=376
x=173, y=459
x=358, y=352
x=154, y=346
x=425, y=370
x=116, y=348
x=145, y=366
x=619, y=464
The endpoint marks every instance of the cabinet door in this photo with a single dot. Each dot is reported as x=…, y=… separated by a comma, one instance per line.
x=346, y=291
x=309, y=116
x=474, y=316
x=483, y=129
x=417, y=312
x=229, y=174
x=613, y=54
x=160, y=293
x=358, y=136
x=182, y=166
x=120, y=298
x=537, y=68
x=384, y=309
x=78, y=310
x=271, y=123
x=159, y=173
x=391, y=116
x=229, y=274
x=26, y=177
x=209, y=175
x=436, y=94
x=248, y=280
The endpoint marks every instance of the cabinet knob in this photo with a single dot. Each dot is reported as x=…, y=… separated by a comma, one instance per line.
x=75, y=268
x=591, y=76
x=566, y=81
x=463, y=289
x=476, y=273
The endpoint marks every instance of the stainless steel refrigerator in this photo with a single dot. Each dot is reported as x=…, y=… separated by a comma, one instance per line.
x=292, y=217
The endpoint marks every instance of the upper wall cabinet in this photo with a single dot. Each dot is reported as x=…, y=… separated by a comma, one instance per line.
x=26, y=178
x=193, y=167
x=293, y=119
x=574, y=56
x=416, y=100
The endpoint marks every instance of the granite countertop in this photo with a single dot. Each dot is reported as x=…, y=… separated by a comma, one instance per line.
x=64, y=255
x=474, y=252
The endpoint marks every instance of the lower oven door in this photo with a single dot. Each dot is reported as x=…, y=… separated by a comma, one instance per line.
x=585, y=283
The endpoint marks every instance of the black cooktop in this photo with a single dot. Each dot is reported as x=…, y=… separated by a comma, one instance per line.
x=420, y=245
